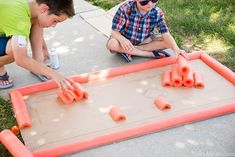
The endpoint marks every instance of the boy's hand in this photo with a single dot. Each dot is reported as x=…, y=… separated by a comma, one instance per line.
x=182, y=53
x=66, y=84
x=126, y=45
x=62, y=82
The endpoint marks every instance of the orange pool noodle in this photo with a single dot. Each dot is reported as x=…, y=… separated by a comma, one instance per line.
x=162, y=104
x=183, y=65
x=188, y=80
x=65, y=97
x=220, y=68
x=14, y=145
x=195, y=55
x=166, y=79
x=76, y=93
x=80, y=91
x=116, y=114
x=198, y=80
x=20, y=109
x=176, y=78
x=38, y=87
x=15, y=129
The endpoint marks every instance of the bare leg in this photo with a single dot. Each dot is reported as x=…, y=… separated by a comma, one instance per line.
x=144, y=50
x=114, y=45
x=6, y=59
x=153, y=45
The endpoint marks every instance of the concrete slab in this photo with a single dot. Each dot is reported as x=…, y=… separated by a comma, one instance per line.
x=100, y=19
x=92, y=13
x=209, y=138
x=101, y=23
x=83, y=6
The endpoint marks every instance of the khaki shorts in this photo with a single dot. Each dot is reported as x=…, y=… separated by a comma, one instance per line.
x=153, y=37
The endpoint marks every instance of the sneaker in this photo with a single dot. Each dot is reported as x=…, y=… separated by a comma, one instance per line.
x=40, y=77
x=161, y=53
x=125, y=56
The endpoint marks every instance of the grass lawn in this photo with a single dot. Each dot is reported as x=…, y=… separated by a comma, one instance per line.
x=7, y=120
x=198, y=25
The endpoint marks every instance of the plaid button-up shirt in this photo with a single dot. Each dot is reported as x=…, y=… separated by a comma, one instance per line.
x=129, y=21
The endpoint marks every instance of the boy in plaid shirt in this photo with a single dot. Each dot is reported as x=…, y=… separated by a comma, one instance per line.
x=133, y=31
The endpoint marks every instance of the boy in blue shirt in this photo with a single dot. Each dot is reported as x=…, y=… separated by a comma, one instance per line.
x=133, y=31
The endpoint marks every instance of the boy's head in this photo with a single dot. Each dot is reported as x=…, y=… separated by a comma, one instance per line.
x=146, y=5
x=52, y=12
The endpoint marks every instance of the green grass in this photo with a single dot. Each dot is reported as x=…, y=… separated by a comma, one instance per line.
x=199, y=25
x=7, y=120
x=207, y=25
x=106, y=4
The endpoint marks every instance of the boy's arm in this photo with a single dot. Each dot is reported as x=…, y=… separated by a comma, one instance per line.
x=117, y=35
x=19, y=49
x=38, y=45
x=124, y=42
x=45, y=50
x=167, y=37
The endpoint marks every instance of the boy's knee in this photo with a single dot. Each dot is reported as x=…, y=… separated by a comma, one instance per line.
x=112, y=44
x=11, y=58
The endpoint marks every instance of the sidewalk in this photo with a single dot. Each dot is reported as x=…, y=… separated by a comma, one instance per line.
x=81, y=49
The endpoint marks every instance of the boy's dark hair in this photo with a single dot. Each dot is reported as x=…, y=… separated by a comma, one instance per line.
x=59, y=7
